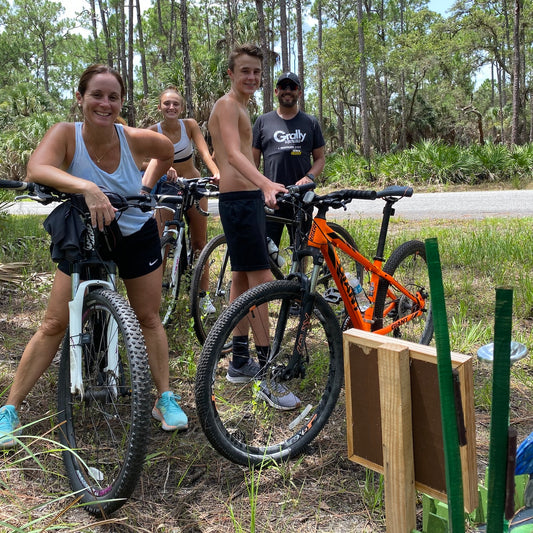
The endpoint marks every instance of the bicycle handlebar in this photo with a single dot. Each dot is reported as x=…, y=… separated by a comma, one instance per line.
x=338, y=199
x=16, y=185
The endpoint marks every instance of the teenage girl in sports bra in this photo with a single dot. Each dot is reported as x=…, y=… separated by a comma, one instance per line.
x=182, y=133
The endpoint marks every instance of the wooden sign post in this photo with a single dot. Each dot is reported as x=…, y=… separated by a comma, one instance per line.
x=394, y=422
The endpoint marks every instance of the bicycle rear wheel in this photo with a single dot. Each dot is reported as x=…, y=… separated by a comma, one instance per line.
x=213, y=268
x=407, y=264
x=241, y=425
x=171, y=276
x=105, y=430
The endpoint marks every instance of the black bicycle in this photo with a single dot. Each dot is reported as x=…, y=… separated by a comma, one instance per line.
x=104, y=380
x=176, y=251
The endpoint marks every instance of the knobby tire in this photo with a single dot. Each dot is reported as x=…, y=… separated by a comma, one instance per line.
x=107, y=431
x=407, y=264
x=239, y=424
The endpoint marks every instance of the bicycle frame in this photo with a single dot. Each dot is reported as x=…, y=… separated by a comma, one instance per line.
x=323, y=238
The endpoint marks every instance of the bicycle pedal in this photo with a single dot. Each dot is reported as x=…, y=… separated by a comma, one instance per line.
x=332, y=296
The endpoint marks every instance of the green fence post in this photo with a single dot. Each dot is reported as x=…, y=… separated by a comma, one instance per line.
x=452, y=458
x=499, y=422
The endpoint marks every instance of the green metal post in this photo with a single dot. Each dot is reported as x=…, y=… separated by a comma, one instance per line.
x=499, y=423
x=452, y=458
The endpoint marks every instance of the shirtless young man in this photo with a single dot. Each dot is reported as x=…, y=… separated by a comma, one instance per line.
x=243, y=192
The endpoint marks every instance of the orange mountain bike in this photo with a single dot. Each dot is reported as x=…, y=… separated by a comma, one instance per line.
x=279, y=412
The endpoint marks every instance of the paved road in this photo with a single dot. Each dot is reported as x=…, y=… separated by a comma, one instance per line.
x=450, y=205
x=421, y=206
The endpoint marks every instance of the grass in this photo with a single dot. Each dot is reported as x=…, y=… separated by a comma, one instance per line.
x=186, y=485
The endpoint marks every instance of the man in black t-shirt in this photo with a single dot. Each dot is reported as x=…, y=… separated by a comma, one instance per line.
x=291, y=143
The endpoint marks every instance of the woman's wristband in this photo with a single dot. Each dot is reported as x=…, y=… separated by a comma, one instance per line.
x=310, y=176
x=146, y=189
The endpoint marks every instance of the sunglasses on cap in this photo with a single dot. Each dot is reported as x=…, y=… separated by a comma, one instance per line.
x=284, y=85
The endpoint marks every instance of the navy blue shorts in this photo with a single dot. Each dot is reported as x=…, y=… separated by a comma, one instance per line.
x=136, y=255
x=242, y=214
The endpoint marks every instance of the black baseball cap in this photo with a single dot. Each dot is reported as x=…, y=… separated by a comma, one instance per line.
x=291, y=76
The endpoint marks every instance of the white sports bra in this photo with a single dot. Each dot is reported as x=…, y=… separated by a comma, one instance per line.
x=183, y=148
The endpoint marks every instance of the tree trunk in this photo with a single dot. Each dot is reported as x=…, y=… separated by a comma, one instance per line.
x=121, y=41
x=300, y=45
x=105, y=30
x=171, y=50
x=207, y=24
x=131, y=44
x=516, y=74
x=231, y=40
x=267, y=81
x=186, y=58
x=403, y=131
x=365, y=136
x=94, y=29
x=142, y=50
x=319, y=70
x=285, y=63
x=161, y=29
x=340, y=123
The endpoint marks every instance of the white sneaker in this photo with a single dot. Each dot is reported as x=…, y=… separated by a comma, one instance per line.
x=206, y=305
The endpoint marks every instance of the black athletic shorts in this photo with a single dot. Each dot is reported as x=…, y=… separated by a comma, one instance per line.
x=136, y=255
x=242, y=214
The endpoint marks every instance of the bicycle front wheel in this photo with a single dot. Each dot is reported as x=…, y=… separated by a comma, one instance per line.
x=106, y=428
x=407, y=264
x=172, y=273
x=210, y=286
x=237, y=418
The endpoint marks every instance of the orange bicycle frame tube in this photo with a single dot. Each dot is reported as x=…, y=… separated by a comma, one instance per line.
x=321, y=236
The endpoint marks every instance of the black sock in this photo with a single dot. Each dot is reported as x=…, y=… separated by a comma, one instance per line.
x=241, y=354
x=262, y=354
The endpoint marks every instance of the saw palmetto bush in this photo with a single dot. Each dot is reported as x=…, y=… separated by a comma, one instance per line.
x=432, y=163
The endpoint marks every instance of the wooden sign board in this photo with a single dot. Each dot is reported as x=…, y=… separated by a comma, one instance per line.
x=363, y=412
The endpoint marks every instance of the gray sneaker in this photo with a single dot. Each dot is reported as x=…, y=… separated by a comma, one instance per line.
x=278, y=396
x=244, y=374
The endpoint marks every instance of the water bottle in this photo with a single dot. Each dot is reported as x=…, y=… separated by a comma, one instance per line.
x=362, y=300
x=273, y=251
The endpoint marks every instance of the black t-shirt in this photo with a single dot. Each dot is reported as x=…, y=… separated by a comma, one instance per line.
x=287, y=145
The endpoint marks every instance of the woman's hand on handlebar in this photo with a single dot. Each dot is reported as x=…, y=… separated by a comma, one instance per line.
x=102, y=212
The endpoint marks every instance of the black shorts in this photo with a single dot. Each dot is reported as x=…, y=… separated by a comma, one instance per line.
x=242, y=214
x=136, y=255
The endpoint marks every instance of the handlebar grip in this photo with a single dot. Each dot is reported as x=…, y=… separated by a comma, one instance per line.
x=396, y=190
x=300, y=189
x=359, y=195
x=17, y=185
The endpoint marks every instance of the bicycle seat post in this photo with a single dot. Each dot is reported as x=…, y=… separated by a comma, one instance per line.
x=388, y=211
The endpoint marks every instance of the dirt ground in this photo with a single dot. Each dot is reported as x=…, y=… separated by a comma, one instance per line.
x=186, y=486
